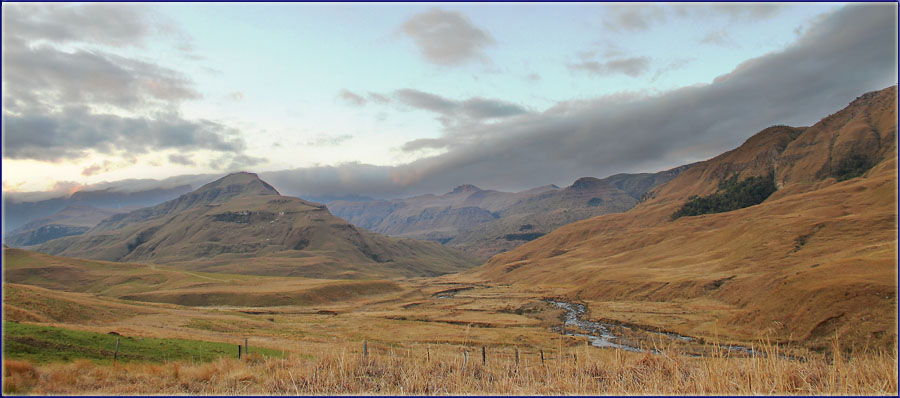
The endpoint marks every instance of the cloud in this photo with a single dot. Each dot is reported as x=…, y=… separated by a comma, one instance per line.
x=351, y=98
x=630, y=66
x=850, y=52
x=45, y=77
x=717, y=38
x=533, y=77
x=328, y=140
x=640, y=17
x=106, y=166
x=181, y=159
x=354, y=99
x=454, y=112
x=74, y=133
x=69, y=92
x=378, y=98
x=236, y=96
x=234, y=162
x=446, y=38
x=108, y=24
x=847, y=53
x=632, y=17
x=735, y=12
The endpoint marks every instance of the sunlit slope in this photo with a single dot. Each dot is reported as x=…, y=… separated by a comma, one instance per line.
x=817, y=257
x=163, y=284
x=239, y=224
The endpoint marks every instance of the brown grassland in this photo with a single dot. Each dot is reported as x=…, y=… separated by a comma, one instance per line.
x=415, y=337
x=807, y=278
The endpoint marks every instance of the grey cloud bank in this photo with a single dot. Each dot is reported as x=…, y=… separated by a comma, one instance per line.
x=851, y=51
x=60, y=68
x=499, y=145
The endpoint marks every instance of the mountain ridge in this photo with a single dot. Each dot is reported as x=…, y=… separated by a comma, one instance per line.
x=774, y=261
x=241, y=224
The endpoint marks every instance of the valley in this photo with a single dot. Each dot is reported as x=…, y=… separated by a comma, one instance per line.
x=779, y=254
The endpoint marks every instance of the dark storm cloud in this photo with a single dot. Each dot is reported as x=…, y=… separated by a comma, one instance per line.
x=629, y=66
x=61, y=67
x=446, y=37
x=74, y=132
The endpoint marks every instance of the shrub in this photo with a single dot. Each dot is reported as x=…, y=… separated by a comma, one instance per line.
x=852, y=166
x=732, y=195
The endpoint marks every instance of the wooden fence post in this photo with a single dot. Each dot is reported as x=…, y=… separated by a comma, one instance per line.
x=465, y=357
x=517, y=358
x=246, y=347
x=365, y=349
x=575, y=356
x=427, y=354
x=542, y=355
x=239, y=351
x=483, y=356
x=116, y=354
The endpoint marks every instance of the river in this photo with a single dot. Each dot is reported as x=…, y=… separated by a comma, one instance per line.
x=600, y=334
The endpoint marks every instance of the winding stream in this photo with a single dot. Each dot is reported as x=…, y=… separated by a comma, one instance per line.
x=600, y=334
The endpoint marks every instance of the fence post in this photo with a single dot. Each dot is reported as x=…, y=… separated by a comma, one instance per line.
x=116, y=354
x=246, y=347
x=465, y=357
x=365, y=349
x=239, y=351
x=517, y=358
x=427, y=354
x=542, y=355
x=575, y=355
x=483, y=356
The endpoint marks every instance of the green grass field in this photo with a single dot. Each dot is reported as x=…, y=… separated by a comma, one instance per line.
x=43, y=344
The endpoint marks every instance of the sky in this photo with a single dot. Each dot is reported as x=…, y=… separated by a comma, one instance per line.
x=393, y=100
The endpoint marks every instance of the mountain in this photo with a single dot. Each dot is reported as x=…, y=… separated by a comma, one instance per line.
x=240, y=224
x=486, y=222
x=18, y=212
x=431, y=217
x=73, y=220
x=815, y=259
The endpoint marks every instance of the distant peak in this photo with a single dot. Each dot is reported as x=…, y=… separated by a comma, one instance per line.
x=465, y=188
x=585, y=183
x=249, y=183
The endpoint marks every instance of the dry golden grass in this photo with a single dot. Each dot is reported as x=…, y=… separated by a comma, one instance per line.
x=442, y=370
x=816, y=258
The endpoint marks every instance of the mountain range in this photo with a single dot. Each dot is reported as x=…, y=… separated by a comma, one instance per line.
x=240, y=224
x=487, y=222
x=815, y=259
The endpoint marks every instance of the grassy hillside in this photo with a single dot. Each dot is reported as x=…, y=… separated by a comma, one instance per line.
x=42, y=344
x=239, y=224
x=815, y=259
x=155, y=283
